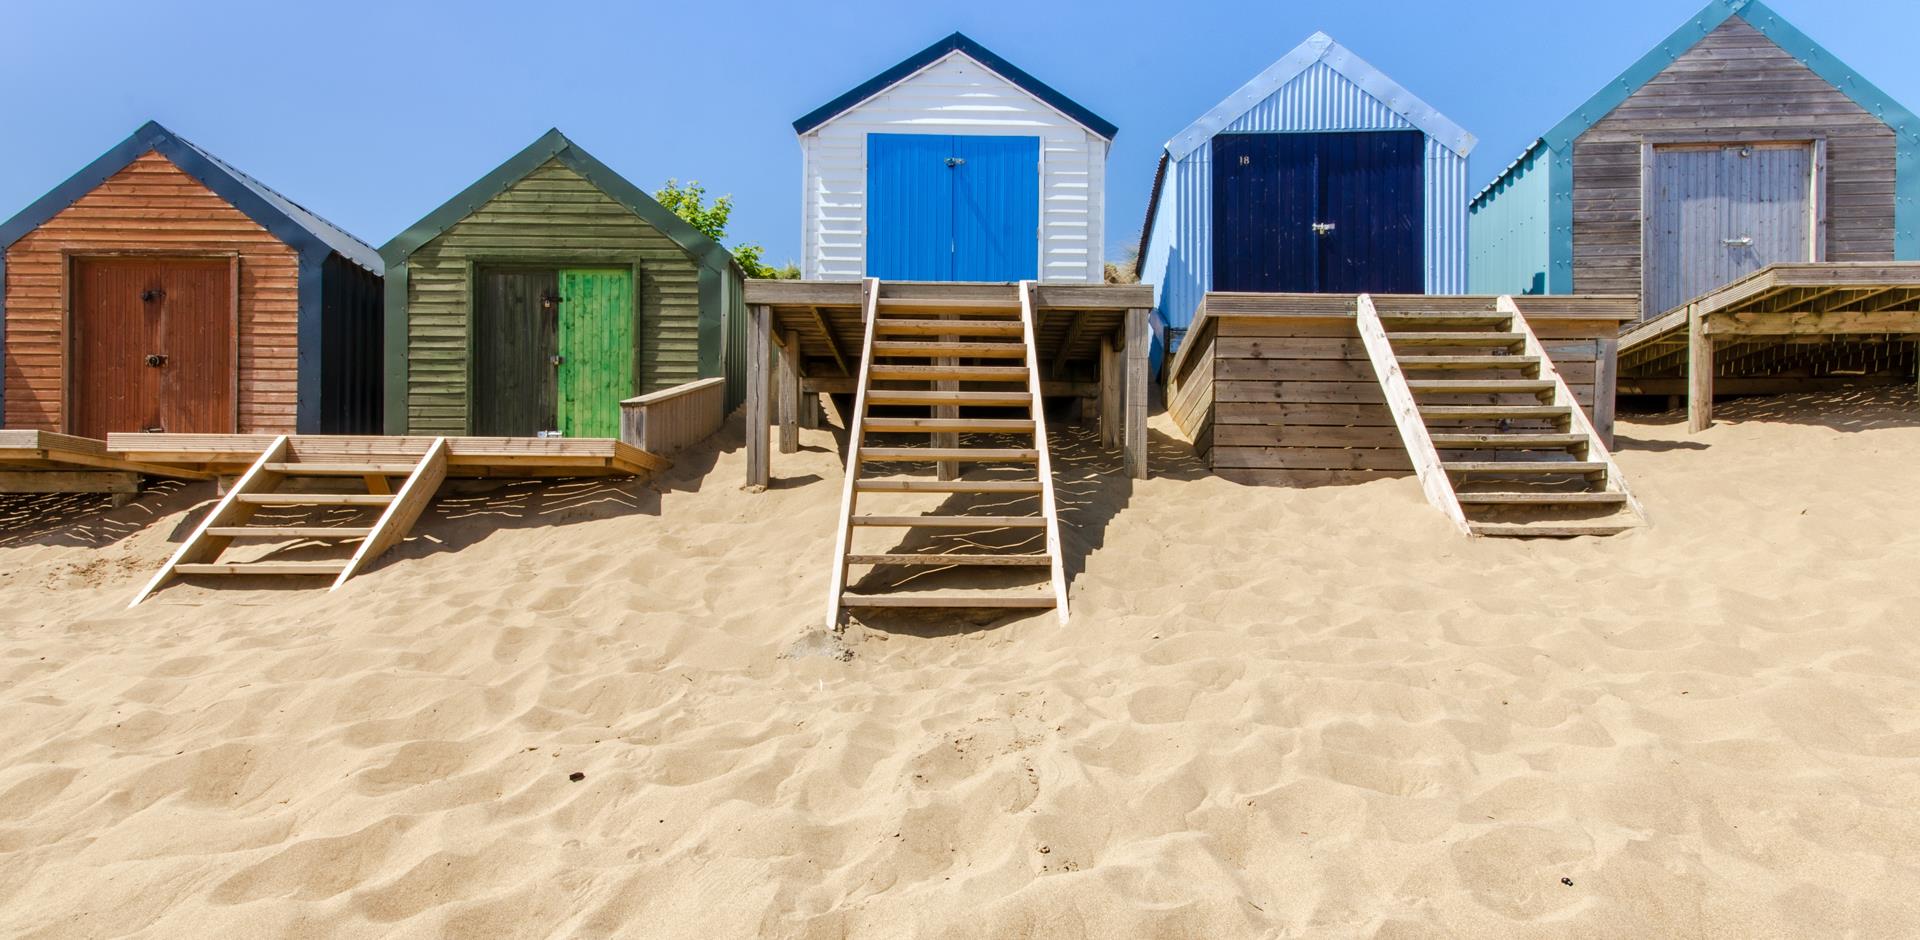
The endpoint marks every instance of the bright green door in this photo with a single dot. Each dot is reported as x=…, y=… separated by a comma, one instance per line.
x=598, y=349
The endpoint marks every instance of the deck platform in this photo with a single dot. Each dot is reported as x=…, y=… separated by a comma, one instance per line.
x=1091, y=342
x=512, y=457
x=46, y=462
x=1784, y=328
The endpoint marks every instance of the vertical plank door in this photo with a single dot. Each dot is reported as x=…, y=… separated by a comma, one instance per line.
x=1373, y=203
x=514, y=344
x=1265, y=196
x=996, y=208
x=152, y=346
x=598, y=349
x=909, y=207
x=1719, y=212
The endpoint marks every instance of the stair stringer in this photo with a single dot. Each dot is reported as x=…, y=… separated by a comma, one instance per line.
x=1406, y=415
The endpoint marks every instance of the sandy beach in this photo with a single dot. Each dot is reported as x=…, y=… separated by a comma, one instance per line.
x=589, y=710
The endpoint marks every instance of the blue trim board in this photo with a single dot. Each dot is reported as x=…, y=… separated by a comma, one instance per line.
x=308, y=358
x=956, y=42
x=1560, y=221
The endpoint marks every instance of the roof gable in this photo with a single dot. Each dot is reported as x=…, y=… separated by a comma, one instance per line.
x=1321, y=49
x=959, y=43
x=1770, y=24
x=554, y=145
x=285, y=219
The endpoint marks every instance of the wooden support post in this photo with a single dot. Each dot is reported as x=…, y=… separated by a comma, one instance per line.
x=1109, y=394
x=1136, y=404
x=1699, y=372
x=759, y=352
x=809, y=411
x=789, y=393
x=1606, y=384
x=947, y=469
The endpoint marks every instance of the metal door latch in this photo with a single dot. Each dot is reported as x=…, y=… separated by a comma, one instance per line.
x=556, y=360
x=151, y=294
x=1744, y=241
x=955, y=161
x=156, y=360
x=1322, y=228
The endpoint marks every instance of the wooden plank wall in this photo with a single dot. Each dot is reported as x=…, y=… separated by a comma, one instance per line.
x=666, y=421
x=1295, y=401
x=152, y=206
x=1733, y=81
x=553, y=216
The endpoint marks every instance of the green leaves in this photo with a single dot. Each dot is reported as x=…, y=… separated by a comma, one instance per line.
x=690, y=203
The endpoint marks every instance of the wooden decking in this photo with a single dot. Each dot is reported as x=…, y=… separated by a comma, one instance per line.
x=1090, y=342
x=513, y=457
x=1786, y=327
x=45, y=462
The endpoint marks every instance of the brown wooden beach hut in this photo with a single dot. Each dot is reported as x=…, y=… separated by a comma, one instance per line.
x=160, y=289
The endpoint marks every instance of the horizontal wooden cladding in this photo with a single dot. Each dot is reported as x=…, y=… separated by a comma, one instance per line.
x=151, y=207
x=553, y=217
x=1733, y=84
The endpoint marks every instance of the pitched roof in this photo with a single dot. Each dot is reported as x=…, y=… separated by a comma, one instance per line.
x=551, y=146
x=1711, y=17
x=287, y=220
x=956, y=43
x=1317, y=49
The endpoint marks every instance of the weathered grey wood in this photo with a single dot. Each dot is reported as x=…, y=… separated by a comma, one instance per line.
x=68, y=481
x=1606, y=360
x=1699, y=373
x=1109, y=394
x=849, y=485
x=759, y=367
x=672, y=419
x=1407, y=421
x=1138, y=338
x=788, y=382
x=947, y=469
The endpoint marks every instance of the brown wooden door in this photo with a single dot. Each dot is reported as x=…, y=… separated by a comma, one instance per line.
x=515, y=352
x=152, y=346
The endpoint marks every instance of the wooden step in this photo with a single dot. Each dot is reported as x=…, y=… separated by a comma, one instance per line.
x=1558, y=529
x=947, y=305
x=1481, y=386
x=1408, y=318
x=947, y=486
x=1462, y=338
x=984, y=560
x=956, y=425
x=982, y=601
x=316, y=568
x=951, y=350
x=948, y=328
x=314, y=499
x=290, y=532
x=1542, y=499
x=892, y=373
x=951, y=522
x=969, y=454
x=1469, y=362
x=890, y=396
x=342, y=469
x=1517, y=440
x=1542, y=467
x=1497, y=412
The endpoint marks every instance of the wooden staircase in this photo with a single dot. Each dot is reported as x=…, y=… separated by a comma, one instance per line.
x=1500, y=444
x=996, y=520
x=261, y=488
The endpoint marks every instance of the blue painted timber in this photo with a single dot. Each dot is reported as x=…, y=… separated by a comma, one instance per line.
x=953, y=208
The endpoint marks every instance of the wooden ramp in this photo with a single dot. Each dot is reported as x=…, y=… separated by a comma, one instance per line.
x=1500, y=444
x=951, y=374
x=369, y=491
x=45, y=462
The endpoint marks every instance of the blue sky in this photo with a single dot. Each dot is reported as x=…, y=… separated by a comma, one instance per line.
x=374, y=114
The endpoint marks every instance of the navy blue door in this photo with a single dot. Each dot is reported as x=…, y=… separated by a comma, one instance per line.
x=953, y=208
x=1328, y=212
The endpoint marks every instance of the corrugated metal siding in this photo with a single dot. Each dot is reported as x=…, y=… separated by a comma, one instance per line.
x=1507, y=229
x=352, y=371
x=736, y=342
x=1318, y=99
x=955, y=95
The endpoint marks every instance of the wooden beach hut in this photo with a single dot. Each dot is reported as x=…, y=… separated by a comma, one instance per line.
x=1736, y=144
x=1321, y=174
x=539, y=298
x=953, y=165
x=161, y=290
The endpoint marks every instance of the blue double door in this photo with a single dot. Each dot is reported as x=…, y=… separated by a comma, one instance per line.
x=944, y=207
x=1337, y=212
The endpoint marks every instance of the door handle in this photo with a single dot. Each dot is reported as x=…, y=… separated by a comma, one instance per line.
x=955, y=161
x=1744, y=241
x=1322, y=229
x=156, y=360
x=556, y=360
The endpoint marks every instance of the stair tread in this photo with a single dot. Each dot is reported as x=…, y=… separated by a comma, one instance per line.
x=947, y=486
x=1507, y=439
x=291, y=531
x=1470, y=362
x=949, y=327
x=1495, y=411
x=947, y=305
x=976, y=454
x=1462, y=338
x=1525, y=466
x=263, y=567
x=1540, y=499
x=960, y=559
x=314, y=499
x=1480, y=385
x=954, y=350
x=890, y=373
x=884, y=396
x=1466, y=316
x=950, y=522
x=976, y=425
x=1553, y=529
x=961, y=600
x=321, y=468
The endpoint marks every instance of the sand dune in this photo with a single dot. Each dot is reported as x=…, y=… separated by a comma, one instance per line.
x=1275, y=713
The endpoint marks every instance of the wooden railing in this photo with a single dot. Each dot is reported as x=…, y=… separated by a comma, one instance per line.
x=1055, y=550
x=666, y=421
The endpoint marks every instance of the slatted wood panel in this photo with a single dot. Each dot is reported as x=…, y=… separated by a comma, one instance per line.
x=151, y=206
x=554, y=216
x=1734, y=80
x=666, y=421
